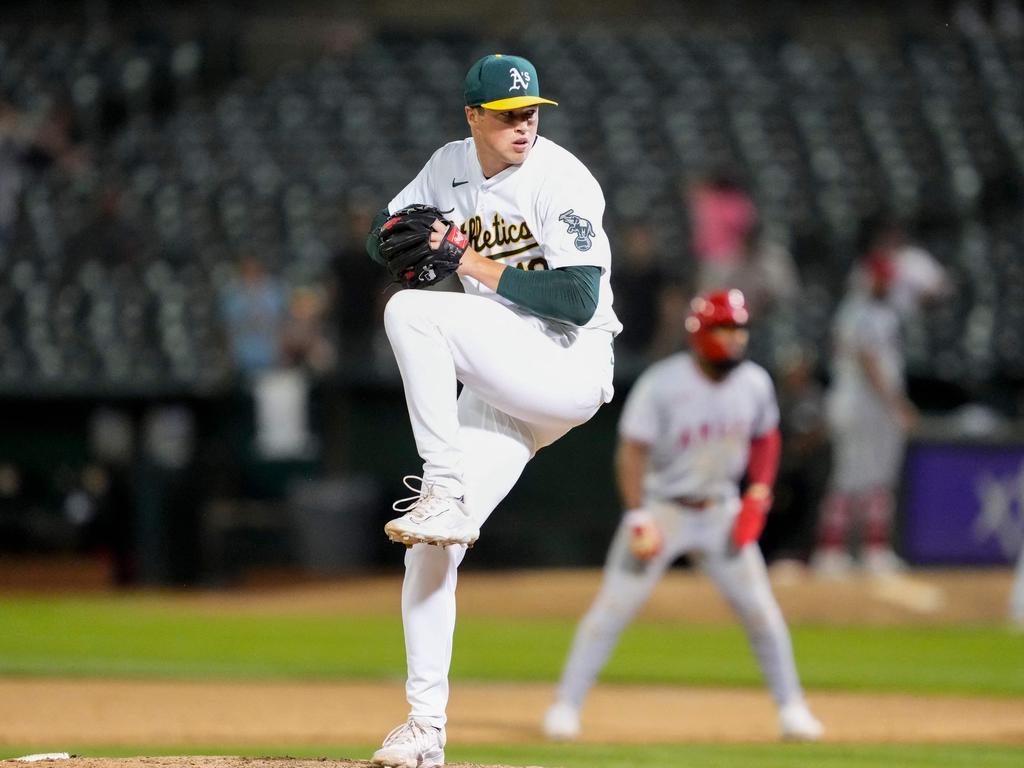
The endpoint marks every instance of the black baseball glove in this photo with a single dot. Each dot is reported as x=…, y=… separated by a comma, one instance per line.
x=405, y=246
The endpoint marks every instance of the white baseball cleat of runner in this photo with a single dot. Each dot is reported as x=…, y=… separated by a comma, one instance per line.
x=832, y=564
x=882, y=561
x=796, y=723
x=431, y=517
x=562, y=722
x=413, y=744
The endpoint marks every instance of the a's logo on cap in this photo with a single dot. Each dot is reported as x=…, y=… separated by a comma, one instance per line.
x=519, y=79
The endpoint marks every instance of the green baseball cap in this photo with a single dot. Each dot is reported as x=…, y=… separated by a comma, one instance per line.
x=503, y=82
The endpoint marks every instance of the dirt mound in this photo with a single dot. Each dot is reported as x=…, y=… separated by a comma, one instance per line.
x=206, y=762
x=188, y=715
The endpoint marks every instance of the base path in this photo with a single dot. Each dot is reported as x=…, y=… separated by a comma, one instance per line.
x=54, y=715
x=59, y=714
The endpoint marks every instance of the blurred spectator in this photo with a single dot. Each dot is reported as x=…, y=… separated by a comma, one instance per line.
x=109, y=237
x=54, y=139
x=11, y=141
x=283, y=395
x=304, y=340
x=170, y=496
x=869, y=415
x=803, y=470
x=381, y=356
x=253, y=306
x=109, y=478
x=12, y=505
x=281, y=399
x=637, y=282
x=673, y=305
x=768, y=275
x=273, y=339
x=722, y=216
x=769, y=280
x=357, y=283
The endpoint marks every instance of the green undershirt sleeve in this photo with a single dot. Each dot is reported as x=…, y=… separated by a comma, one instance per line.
x=568, y=294
x=372, y=241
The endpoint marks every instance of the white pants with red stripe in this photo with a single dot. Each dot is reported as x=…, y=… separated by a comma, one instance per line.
x=741, y=578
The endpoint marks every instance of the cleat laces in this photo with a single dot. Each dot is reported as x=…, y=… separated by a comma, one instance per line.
x=427, y=503
x=420, y=735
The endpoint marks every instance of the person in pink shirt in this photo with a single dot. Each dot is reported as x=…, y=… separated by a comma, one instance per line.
x=722, y=215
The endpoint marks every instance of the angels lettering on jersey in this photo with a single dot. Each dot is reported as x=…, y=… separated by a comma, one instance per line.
x=714, y=446
x=707, y=431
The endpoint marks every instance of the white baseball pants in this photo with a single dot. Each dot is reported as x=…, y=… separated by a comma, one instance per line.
x=522, y=390
x=867, y=446
x=741, y=578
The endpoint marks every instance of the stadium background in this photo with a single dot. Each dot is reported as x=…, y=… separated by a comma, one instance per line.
x=148, y=149
x=151, y=148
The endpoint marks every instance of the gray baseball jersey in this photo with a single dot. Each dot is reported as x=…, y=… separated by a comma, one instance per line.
x=698, y=430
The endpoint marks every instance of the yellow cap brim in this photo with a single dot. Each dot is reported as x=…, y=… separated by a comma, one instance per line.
x=516, y=102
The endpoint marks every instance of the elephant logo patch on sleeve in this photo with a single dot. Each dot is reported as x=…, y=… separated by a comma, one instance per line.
x=580, y=227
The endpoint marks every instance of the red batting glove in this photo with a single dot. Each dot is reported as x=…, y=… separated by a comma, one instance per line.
x=645, y=537
x=750, y=521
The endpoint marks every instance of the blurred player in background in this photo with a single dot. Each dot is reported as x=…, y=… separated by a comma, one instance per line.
x=692, y=427
x=869, y=415
x=917, y=277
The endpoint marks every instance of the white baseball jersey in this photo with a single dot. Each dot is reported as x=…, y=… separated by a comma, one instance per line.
x=863, y=324
x=542, y=214
x=867, y=440
x=698, y=430
x=918, y=275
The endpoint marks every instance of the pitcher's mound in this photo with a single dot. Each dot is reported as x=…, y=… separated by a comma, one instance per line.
x=76, y=761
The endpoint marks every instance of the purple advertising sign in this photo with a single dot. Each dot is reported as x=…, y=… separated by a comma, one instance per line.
x=963, y=504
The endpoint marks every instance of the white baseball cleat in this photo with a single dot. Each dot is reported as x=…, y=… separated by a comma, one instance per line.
x=562, y=722
x=882, y=561
x=431, y=517
x=830, y=563
x=413, y=744
x=796, y=723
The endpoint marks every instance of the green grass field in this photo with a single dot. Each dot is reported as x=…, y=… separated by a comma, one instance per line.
x=150, y=638
x=129, y=637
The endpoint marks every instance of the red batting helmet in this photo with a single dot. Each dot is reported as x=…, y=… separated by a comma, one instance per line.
x=881, y=267
x=715, y=310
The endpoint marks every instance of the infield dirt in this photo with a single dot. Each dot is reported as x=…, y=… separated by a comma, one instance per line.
x=58, y=713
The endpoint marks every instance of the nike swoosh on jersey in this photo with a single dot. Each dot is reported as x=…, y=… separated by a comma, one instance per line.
x=458, y=183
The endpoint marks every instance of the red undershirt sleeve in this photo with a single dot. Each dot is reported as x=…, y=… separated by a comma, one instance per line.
x=764, y=458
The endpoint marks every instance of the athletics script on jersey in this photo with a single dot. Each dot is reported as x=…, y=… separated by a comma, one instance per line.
x=489, y=240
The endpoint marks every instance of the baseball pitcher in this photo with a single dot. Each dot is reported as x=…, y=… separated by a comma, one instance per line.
x=518, y=219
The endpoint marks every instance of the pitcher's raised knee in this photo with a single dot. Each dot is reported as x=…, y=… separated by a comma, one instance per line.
x=405, y=307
